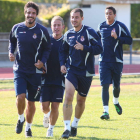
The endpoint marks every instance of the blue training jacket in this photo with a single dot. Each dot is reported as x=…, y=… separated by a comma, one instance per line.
x=81, y=62
x=112, y=48
x=32, y=44
x=54, y=75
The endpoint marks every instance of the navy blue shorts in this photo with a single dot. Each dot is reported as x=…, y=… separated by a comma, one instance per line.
x=51, y=93
x=81, y=83
x=27, y=83
x=110, y=73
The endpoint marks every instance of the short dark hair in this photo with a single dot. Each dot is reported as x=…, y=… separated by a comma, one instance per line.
x=112, y=8
x=77, y=10
x=33, y=5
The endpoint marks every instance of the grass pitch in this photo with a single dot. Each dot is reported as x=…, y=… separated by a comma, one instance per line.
x=91, y=127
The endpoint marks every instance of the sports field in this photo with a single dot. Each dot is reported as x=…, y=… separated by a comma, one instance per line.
x=123, y=127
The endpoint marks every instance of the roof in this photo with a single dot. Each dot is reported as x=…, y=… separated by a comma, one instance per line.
x=125, y=1
x=105, y=1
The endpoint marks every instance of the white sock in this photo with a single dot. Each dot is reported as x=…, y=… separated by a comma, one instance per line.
x=75, y=122
x=21, y=117
x=106, y=108
x=67, y=124
x=51, y=127
x=48, y=114
x=115, y=100
x=28, y=125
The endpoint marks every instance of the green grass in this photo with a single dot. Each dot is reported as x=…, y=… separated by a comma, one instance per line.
x=8, y=84
x=119, y=127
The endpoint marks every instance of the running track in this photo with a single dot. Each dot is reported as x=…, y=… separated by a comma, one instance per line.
x=6, y=73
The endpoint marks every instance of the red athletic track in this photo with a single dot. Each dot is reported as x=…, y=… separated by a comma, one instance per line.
x=134, y=68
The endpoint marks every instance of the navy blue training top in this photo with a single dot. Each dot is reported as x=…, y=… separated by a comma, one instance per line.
x=112, y=48
x=54, y=75
x=80, y=62
x=32, y=44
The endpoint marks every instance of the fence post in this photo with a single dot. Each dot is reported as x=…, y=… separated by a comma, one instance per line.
x=131, y=54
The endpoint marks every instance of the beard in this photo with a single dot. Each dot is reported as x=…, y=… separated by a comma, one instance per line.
x=75, y=25
x=29, y=21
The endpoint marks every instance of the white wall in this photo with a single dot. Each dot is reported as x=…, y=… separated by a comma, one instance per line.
x=94, y=16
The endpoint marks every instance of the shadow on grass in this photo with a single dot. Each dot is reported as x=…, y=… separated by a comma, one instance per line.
x=7, y=124
x=36, y=125
x=74, y=138
x=92, y=127
x=135, y=118
x=91, y=138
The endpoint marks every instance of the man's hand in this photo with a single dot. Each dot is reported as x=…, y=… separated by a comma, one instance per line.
x=63, y=69
x=113, y=33
x=44, y=70
x=11, y=57
x=79, y=46
x=39, y=64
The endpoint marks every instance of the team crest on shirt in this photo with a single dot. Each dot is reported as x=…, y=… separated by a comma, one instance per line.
x=82, y=38
x=35, y=36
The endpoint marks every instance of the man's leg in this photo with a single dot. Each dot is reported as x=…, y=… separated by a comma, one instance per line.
x=117, y=73
x=67, y=107
x=79, y=109
x=46, y=111
x=20, y=103
x=80, y=106
x=105, y=70
x=30, y=111
x=105, y=100
x=53, y=118
x=54, y=112
x=116, y=93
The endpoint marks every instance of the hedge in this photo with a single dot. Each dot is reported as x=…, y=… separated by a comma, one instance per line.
x=11, y=12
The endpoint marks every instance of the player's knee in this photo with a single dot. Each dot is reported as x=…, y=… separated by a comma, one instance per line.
x=116, y=88
x=105, y=87
x=54, y=106
x=45, y=108
x=30, y=104
x=21, y=98
x=81, y=101
x=68, y=97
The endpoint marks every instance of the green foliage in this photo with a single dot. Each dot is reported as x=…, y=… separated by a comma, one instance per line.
x=49, y=1
x=11, y=12
x=64, y=12
x=135, y=20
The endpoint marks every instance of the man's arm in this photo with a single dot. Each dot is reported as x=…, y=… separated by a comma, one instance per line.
x=12, y=44
x=125, y=37
x=46, y=43
x=95, y=46
x=63, y=52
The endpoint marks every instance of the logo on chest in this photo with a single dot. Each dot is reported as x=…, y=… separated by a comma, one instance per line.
x=71, y=37
x=23, y=32
x=82, y=38
x=34, y=36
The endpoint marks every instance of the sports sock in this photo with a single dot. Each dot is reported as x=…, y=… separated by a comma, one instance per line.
x=21, y=117
x=51, y=127
x=106, y=108
x=67, y=124
x=28, y=125
x=75, y=122
x=48, y=114
x=115, y=100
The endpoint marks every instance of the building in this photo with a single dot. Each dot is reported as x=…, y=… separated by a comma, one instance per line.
x=94, y=10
